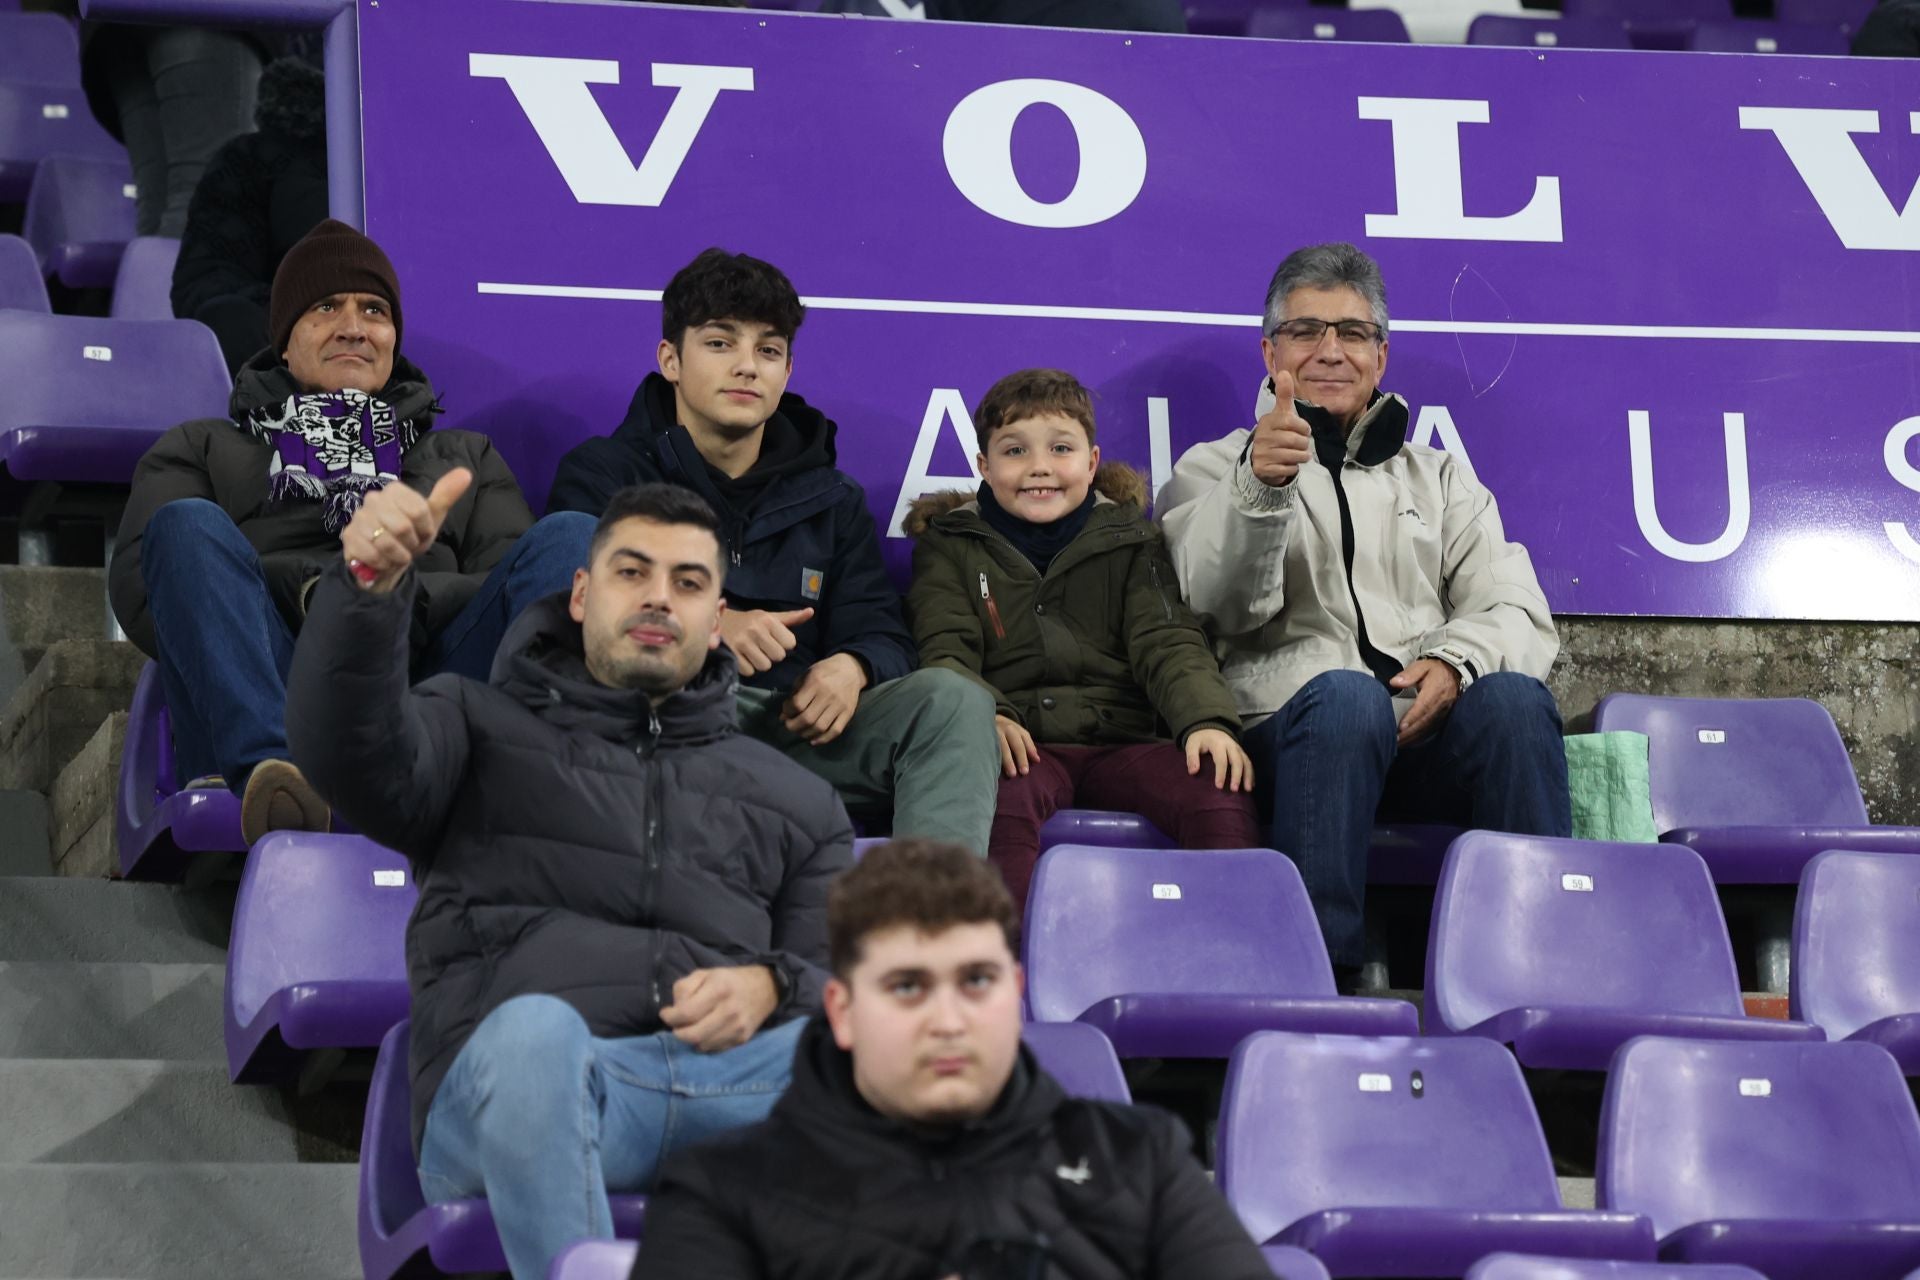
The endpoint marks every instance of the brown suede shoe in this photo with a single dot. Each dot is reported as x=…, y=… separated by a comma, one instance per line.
x=278, y=798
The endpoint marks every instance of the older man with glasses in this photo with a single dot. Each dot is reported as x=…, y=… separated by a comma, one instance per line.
x=1385, y=642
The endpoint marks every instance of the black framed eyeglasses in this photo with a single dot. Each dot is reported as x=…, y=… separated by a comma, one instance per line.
x=1352, y=333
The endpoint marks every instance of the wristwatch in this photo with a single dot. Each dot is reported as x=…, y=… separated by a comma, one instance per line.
x=1455, y=657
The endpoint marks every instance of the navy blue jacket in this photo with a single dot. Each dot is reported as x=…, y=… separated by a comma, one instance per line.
x=807, y=540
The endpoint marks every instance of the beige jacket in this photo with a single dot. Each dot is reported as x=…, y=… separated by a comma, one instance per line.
x=1432, y=569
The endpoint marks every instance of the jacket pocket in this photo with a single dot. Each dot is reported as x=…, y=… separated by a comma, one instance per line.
x=993, y=610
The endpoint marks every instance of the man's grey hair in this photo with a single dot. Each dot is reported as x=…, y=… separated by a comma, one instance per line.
x=1326, y=266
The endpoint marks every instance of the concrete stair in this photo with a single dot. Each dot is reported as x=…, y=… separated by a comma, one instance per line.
x=124, y=1151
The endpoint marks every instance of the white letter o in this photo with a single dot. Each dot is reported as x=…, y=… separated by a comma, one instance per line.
x=979, y=153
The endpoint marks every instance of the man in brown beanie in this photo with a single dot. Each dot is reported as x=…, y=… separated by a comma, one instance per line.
x=232, y=520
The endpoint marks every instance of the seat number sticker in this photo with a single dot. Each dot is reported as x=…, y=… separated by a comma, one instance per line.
x=1756, y=1088
x=1376, y=1082
x=97, y=353
x=1713, y=737
x=53, y=111
x=1573, y=882
x=389, y=879
x=1167, y=891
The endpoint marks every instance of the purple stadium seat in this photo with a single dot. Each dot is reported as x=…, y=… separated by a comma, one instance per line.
x=37, y=121
x=160, y=828
x=1398, y=1156
x=1566, y=949
x=318, y=958
x=22, y=287
x=1179, y=953
x=38, y=49
x=1856, y=950
x=143, y=287
x=1756, y=787
x=1290, y=1263
x=1548, y=33
x=1226, y=17
x=1080, y=1058
x=1750, y=35
x=1845, y=14
x=1101, y=827
x=87, y=397
x=863, y=843
x=1408, y=852
x=1372, y=26
x=1521, y=1266
x=400, y=1233
x=1653, y=24
x=1802, y=1160
x=80, y=216
x=595, y=1260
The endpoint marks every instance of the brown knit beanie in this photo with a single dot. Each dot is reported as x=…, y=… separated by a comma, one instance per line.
x=332, y=258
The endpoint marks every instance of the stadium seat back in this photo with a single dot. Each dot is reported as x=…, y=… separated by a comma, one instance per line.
x=1290, y=22
x=1718, y=762
x=143, y=287
x=1316, y=1122
x=1529, y=921
x=1856, y=940
x=22, y=285
x=1751, y=35
x=1103, y=922
x=1520, y=1266
x=595, y=1260
x=38, y=48
x=1548, y=33
x=80, y=216
x=1702, y=1130
x=1080, y=1058
x=37, y=121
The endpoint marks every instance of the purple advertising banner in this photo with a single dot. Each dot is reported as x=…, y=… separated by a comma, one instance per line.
x=1665, y=305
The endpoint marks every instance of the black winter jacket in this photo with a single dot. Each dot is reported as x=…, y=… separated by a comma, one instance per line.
x=568, y=839
x=215, y=459
x=808, y=540
x=259, y=195
x=826, y=1188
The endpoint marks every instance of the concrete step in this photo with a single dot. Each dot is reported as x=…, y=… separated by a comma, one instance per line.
x=24, y=850
x=55, y=918
x=40, y=606
x=179, y=1221
x=53, y=713
x=55, y=1009
x=56, y=1111
x=81, y=828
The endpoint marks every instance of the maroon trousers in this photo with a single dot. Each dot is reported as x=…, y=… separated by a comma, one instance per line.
x=1149, y=779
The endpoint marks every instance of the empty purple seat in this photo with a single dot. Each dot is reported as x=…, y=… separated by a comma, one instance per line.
x=1751, y=35
x=1226, y=17
x=1079, y=1058
x=38, y=48
x=1548, y=33
x=1372, y=26
x=1181, y=953
x=1409, y=853
x=143, y=286
x=37, y=121
x=400, y=1233
x=1653, y=24
x=80, y=216
x=1398, y=1157
x=318, y=958
x=1103, y=827
x=160, y=828
x=1566, y=949
x=1754, y=786
x=595, y=1260
x=22, y=287
x=87, y=397
x=1521, y=1266
x=1801, y=1160
x=1856, y=950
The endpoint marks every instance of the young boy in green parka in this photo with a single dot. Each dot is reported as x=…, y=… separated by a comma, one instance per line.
x=1050, y=587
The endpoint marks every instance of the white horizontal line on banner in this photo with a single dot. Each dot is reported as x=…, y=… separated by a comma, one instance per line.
x=1030, y=311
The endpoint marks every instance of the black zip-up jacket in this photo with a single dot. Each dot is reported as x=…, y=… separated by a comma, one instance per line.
x=568, y=839
x=1044, y=1187
x=806, y=540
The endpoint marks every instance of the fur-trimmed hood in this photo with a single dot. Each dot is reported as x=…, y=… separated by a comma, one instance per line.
x=1113, y=482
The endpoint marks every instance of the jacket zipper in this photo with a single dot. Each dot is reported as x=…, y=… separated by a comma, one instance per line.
x=1383, y=665
x=1153, y=576
x=993, y=610
x=651, y=850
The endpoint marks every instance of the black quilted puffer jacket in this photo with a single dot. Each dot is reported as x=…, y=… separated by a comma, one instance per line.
x=1044, y=1187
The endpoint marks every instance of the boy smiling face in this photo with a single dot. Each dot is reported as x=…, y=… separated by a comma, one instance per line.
x=1039, y=468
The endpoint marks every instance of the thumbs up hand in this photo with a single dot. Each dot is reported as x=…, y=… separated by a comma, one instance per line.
x=395, y=525
x=1282, y=440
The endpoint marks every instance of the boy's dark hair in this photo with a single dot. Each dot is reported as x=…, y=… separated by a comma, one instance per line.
x=1029, y=393
x=931, y=885
x=719, y=285
x=662, y=504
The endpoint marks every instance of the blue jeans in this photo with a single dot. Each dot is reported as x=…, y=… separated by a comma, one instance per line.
x=543, y=1119
x=224, y=649
x=1325, y=765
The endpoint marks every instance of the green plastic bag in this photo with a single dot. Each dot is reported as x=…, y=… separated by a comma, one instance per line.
x=1608, y=780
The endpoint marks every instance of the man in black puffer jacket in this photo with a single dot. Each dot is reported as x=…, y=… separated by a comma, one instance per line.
x=622, y=915
x=920, y=1141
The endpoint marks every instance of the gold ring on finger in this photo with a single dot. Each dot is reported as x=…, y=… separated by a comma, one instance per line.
x=375, y=535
